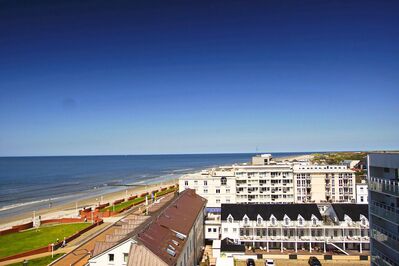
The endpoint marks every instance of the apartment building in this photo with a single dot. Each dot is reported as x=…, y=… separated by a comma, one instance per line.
x=383, y=180
x=174, y=237
x=324, y=183
x=267, y=181
x=296, y=227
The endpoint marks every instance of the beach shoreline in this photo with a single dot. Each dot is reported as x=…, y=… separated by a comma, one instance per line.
x=70, y=209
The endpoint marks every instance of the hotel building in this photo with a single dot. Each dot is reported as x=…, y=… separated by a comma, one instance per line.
x=267, y=181
x=296, y=227
x=383, y=179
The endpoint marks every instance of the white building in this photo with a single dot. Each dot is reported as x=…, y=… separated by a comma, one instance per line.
x=174, y=237
x=266, y=181
x=293, y=227
x=324, y=183
x=362, y=193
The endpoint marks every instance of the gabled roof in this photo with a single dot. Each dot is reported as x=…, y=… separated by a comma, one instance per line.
x=352, y=210
x=178, y=217
x=228, y=244
x=266, y=210
x=143, y=257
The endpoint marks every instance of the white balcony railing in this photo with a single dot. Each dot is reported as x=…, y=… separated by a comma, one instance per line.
x=384, y=185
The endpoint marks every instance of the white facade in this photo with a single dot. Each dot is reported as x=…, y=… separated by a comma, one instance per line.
x=362, y=193
x=324, y=183
x=266, y=181
x=117, y=255
x=271, y=233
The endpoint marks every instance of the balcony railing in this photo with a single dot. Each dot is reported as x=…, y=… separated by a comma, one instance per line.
x=384, y=185
x=384, y=213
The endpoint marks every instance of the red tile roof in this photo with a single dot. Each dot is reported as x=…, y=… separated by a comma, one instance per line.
x=178, y=217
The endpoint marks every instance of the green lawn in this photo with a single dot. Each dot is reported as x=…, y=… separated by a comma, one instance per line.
x=123, y=205
x=161, y=193
x=36, y=238
x=43, y=261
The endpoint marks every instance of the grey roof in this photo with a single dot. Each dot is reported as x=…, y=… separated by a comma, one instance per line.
x=228, y=244
x=266, y=210
x=352, y=210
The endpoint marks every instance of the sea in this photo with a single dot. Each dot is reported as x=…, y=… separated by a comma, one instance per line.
x=34, y=183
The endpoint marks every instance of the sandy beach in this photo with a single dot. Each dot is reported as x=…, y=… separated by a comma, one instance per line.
x=70, y=209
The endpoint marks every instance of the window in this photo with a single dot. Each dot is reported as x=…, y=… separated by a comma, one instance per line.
x=286, y=221
x=245, y=220
x=214, y=230
x=125, y=257
x=217, y=200
x=259, y=220
x=225, y=230
x=314, y=221
x=205, y=183
x=230, y=219
x=300, y=221
x=205, y=190
x=223, y=181
x=209, y=229
x=186, y=183
x=227, y=200
x=227, y=190
x=363, y=221
x=217, y=190
x=195, y=182
x=111, y=257
x=273, y=220
x=361, y=198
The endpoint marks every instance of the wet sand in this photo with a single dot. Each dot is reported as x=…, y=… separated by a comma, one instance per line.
x=71, y=209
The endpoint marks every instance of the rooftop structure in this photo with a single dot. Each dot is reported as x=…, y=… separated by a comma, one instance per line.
x=175, y=236
x=280, y=227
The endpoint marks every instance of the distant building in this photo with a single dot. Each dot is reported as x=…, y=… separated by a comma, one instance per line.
x=351, y=164
x=294, y=227
x=362, y=193
x=383, y=180
x=266, y=181
x=174, y=237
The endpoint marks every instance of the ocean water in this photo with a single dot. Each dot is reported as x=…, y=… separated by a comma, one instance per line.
x=33, y=183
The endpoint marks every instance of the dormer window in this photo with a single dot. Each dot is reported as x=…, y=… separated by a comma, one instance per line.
x=223, y=181
x=273, y=220
x=363, y=220
x=245, y=219
x=314, y=221
x=259, y=220
x=286, y=221
x=300, y=221
x=230, y=219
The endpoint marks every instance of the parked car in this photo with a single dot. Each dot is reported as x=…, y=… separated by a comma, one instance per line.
x=250, y=262
x=270, y=262
x=313, y=261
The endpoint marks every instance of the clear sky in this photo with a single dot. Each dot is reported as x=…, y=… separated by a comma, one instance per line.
x=144, y=76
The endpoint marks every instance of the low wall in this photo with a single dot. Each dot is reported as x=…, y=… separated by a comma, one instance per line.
x=56, y=246
x=16, y=228
x=62, y=221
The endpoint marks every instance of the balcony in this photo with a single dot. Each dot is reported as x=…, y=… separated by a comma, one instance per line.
x=385, y=213
x=384, y=186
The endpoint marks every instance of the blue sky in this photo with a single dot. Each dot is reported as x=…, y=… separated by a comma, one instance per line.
x=138, y=77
